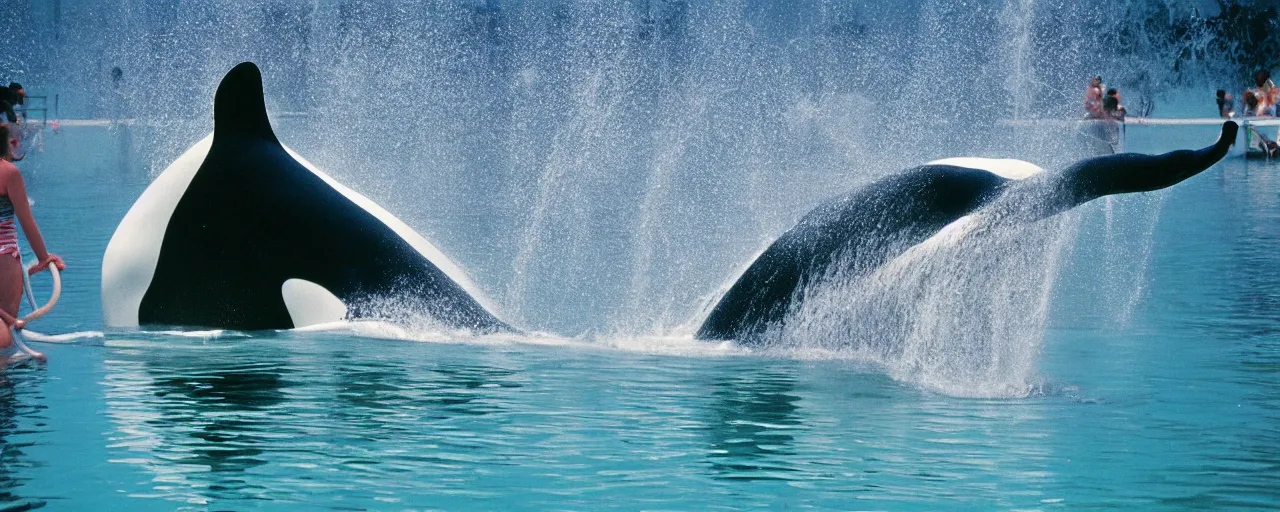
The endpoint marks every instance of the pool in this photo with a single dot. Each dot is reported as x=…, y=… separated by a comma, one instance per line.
x=1156, y=386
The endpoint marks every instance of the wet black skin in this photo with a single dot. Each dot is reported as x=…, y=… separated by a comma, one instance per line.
x=866, y=228
x=254, y=217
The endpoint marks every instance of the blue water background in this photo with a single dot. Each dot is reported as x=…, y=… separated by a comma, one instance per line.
x=1160, y=371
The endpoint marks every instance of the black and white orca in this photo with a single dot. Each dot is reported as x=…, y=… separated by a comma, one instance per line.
x=242, y=233
x=859, y=232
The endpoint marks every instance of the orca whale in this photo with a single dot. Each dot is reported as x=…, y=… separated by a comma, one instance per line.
x=859, y=232
x=242, y=233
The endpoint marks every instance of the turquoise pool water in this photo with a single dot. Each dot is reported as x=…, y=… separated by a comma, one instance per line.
x=1158, y=388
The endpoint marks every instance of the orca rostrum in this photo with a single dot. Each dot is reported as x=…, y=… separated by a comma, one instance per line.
x=855, y=234
x=242, y=233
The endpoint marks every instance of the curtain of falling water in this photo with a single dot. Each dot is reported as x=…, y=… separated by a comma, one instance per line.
x=595, y=166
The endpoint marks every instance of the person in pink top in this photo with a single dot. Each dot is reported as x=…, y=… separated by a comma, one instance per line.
x=14, y=207
x=1093, y=99
x=1268, y=95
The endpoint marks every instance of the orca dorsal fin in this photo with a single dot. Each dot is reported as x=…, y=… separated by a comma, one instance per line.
x=239, y=107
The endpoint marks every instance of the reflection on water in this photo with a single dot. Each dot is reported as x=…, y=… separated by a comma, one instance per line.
x=220, y=407
x=371, y=424
x=202, y=416
x=755, y=420
x=1252, y=261
x=21, y=405
x=240, y=420
x=374, y=397
x=1253, y=257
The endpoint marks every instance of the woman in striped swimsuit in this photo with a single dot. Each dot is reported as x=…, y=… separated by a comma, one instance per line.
x=13, y=203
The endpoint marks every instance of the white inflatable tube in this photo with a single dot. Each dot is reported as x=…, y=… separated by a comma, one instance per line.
x=53, y=298
x=37, y=312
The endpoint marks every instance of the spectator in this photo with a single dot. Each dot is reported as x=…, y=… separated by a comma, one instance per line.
x=1111, y=106
x=1253, y=105
x=15, y=210
x=11, y=97
x=1093, y=99
x=1268, y=95
x=1226, y=107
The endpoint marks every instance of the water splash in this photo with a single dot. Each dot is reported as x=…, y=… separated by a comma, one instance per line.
x=605, y=167
x=1018, y=16
x=962, y=313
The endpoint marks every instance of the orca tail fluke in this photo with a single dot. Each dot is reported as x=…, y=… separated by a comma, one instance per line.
x=1135, y=172
x=1176, y=166
x=1212, y=154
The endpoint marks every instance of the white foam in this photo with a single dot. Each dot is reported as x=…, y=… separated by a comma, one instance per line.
x=205, y=333
x=949, y=236
x=671, y=345
x=962, y=313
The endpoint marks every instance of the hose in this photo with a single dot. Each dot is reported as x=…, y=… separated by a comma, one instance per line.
x=36, y=312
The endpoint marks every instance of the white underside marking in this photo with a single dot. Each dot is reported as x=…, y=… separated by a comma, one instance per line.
x=311, y=304
x=1006, y=168
x=134, y=250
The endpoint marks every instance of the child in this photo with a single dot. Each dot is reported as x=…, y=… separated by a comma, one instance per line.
x=1112, y=107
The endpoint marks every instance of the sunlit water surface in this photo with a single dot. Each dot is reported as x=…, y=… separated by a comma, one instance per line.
x=1158, y=389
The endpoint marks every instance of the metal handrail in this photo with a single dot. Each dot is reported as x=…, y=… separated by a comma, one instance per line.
x=43, y=108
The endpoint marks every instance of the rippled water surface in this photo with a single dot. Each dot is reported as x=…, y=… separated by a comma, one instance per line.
x=1159, y=389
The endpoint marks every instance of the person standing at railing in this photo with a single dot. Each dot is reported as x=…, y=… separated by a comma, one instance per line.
x=1111, y=106
x=1267, y=94
x=1093, y=99
x=1226, y=106
x=1252, y=107
x=11, y=97
x=117, y=97
x=15, y=207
